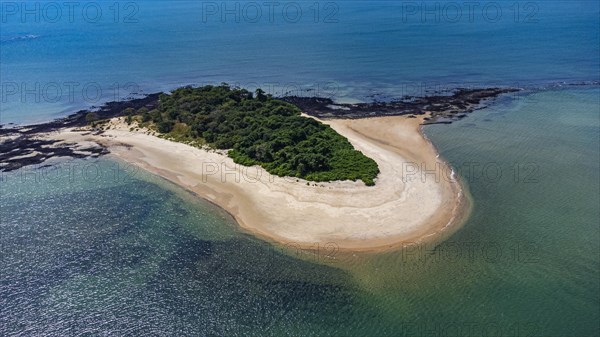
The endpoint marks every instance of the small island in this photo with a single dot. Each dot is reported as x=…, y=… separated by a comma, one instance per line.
x=256, y=129
x=300, y=170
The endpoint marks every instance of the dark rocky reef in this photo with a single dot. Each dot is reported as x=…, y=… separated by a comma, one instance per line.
x=24, y=146
x=78, y=119
x=443, y=108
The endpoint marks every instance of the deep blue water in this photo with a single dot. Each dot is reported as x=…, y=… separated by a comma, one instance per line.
x=59, y=60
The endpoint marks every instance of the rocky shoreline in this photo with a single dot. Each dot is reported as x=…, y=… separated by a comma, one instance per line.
x=26, y=145
x=443, y=108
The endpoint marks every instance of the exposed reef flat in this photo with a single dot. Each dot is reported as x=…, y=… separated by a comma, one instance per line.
x=443, y=108
x=28, y=145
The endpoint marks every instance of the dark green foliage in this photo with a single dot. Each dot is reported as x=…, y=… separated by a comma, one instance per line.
x=164, y=126
x=91, y=117
x=128, y=111
x=260, y=130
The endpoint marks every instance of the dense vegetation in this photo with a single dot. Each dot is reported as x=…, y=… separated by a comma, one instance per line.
x=259, y=130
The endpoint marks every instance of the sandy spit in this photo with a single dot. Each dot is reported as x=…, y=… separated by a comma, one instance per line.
x=417, y=196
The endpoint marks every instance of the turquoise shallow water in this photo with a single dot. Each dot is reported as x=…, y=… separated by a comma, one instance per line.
x=92, y=247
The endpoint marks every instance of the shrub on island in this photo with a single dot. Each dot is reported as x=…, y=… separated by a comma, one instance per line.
x=260, y=130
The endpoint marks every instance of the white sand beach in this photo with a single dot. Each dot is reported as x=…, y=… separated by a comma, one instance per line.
x=405, y=206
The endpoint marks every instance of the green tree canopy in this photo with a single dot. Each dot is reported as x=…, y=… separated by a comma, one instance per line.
x=260, y=130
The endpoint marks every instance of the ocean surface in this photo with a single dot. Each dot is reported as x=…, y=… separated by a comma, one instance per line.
x=58, y=58
x=98, y=247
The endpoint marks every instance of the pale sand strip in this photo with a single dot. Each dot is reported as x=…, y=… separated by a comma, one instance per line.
x=353, y=216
